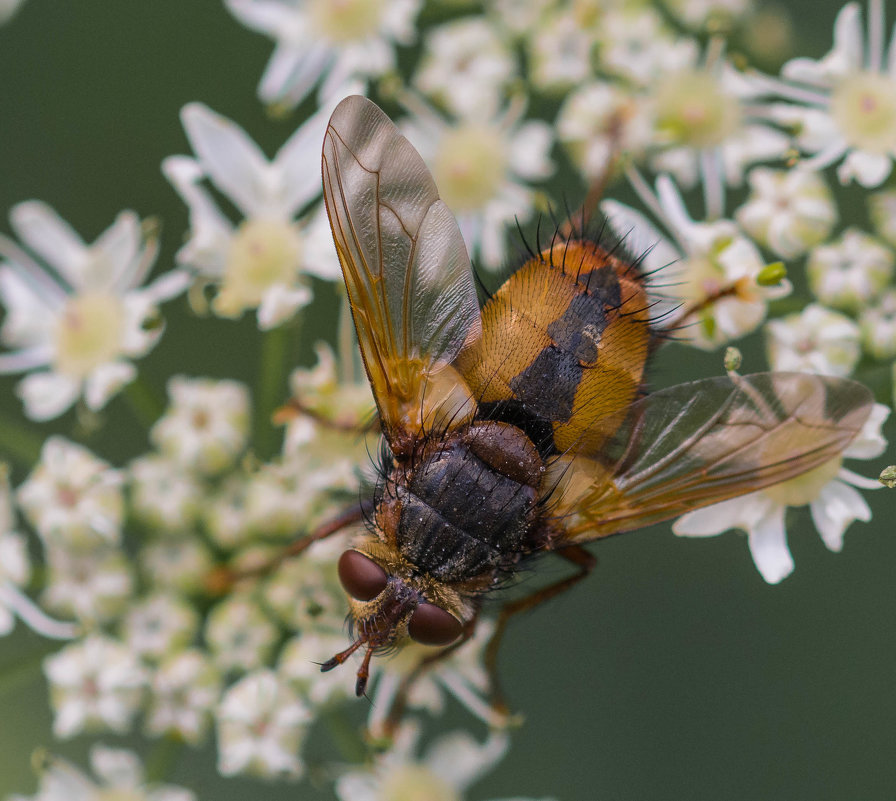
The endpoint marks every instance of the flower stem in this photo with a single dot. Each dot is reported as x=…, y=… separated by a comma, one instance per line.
x=271, y=386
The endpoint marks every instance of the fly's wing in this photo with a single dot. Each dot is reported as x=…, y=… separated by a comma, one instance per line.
x=409, y=280
x=703, y=442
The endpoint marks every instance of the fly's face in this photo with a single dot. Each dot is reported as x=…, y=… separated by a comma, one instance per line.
x=389, y=604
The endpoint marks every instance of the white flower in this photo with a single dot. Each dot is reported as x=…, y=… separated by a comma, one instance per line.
x=636, y=44
x=710, y=267
x=882, y=210
x=878, y=326
x=326, y=41
x=815, y=340
x=119, y=777
x=788, y=211
x=15, y=572
x=206, y=426
x=225, y=513
x=560, y=48
x=83, y=317
x=282, y=497
x=159, y=625
x=72, y=498
x=96, y=683
x=451, y=765
x=305, y=594
x=521, y=17
x=843, y=106
x=599, y=119
x=697, y=13
x=263, y=261
x=482, y=168
x=176, y=563
x=163, y=494
x=851, y=271
x=93, y=586
x=466, y=67
x=185, y=689
x=239, y=635
x=705, y=128
x=829, y=490
x=320, y=395
x=279, y=497
x=261, y=725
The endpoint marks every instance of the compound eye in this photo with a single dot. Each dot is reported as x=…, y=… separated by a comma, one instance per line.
x=361, y=577
x=432, y=625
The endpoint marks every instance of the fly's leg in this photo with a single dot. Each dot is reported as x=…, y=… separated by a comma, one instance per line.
x=389, y=725
x=223, y=578
x=573, y=553
x=294, y=408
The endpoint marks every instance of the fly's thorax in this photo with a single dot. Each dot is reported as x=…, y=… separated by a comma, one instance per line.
x=461, y=509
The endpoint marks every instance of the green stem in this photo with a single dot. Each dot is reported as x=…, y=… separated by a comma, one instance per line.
x=20, y=443
x=271, y=387
x=145, y=403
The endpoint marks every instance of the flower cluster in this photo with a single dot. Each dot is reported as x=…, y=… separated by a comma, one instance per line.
x=177, y=577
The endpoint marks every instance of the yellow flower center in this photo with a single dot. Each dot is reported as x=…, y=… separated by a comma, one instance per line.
x=469, y=167
x=88, y=333
x=692, y=108
x=863, y=106
x=805, y=488
x=263, y=253
x=346, y=20
x=119, y=794
x=416, y=783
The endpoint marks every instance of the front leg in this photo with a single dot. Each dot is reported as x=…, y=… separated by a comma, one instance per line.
x=573, y=553
x=399, y=703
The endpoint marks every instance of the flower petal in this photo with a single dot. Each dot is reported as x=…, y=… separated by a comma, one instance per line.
x=834, y=509
x=768, y=546
x=51, y=237
x=459, y=760
x=298, y=163
x=868, y=169
x=280, y=303
x=116, y=253
x=233, y=162
x=47, y=395
x=106, y=381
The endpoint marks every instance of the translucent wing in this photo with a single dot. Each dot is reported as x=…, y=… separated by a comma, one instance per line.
x=704, y=442
x=405, y=266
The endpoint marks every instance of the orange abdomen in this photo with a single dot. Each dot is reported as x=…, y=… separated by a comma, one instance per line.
x=565, y=338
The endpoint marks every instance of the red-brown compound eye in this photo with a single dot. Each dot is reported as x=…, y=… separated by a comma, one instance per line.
x=432, y=625
x=361, y=577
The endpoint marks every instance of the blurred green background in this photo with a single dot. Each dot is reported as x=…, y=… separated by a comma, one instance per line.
x=674, y=672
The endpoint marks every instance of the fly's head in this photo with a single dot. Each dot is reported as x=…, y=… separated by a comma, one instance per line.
x=390, y=602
